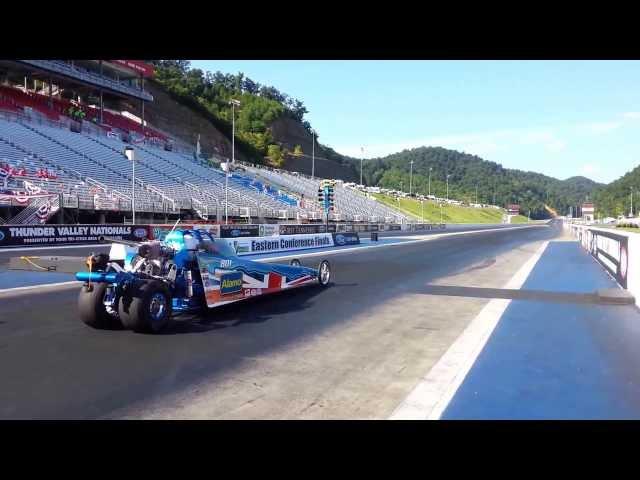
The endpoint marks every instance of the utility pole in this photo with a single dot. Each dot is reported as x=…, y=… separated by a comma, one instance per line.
x=129, y=153
x=476, y=194
x=429, y=181
x=448, y=187
x=234, y=104
x=411, y=177
x=313, y=153
x=631, y=210
x=361, y=158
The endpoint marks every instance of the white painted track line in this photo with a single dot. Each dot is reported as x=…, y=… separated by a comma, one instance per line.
x=42, y=286
x=51, y=247
x=429, y=399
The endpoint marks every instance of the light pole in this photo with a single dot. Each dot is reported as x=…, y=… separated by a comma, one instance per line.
x=129, y=153
x=429, y=181
x=476, y=194
x=234, y=103
x=410, y=177
x=361, y=158
x=448, y=187
x=313, y=153
x=631, y=211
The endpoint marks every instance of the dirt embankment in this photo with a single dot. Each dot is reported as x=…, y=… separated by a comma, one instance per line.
x=290, y=133
x=183, y=123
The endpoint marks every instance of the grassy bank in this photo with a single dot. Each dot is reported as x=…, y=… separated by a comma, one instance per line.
x=449, y=213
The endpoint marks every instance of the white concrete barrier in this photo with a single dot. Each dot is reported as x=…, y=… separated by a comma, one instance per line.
x=618, y=251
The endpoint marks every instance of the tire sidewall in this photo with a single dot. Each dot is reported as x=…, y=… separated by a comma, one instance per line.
x=91, y=307
x=134, y=308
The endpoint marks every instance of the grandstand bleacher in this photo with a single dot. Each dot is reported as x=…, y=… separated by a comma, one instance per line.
x=85, y=168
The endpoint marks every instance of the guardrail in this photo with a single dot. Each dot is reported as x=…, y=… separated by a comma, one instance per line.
x=618, y=251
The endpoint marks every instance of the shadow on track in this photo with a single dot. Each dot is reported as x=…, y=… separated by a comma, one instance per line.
x=251, y=311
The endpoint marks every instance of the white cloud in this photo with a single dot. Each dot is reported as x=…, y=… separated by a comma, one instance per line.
x=598, y=128
x=483, y=144
x=632, y=115
x=589, y=169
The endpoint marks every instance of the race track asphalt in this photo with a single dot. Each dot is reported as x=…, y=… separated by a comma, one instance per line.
x=53, y=366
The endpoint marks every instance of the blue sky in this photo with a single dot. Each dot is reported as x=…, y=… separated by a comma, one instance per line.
x=560, y=118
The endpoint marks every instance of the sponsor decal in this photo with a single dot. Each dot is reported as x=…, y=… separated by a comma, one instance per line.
x=269, y=230
x=235, y=231
x=140, y=233
x=624, y=261
x=230, y=283
x=302, y=229
x=346, y=238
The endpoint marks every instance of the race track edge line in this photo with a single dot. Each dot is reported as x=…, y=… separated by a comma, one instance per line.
x=429, y=399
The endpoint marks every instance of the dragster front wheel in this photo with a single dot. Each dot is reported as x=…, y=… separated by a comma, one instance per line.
x=324, y=273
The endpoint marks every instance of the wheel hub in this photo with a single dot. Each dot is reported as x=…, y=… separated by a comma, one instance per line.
x=157, y=306
x=324, y=273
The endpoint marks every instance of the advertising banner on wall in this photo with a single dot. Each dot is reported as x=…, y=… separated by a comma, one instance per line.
x=269, y=230
x=47, y=235
x=610, y=250
x=214, y=229
x=283, y=243
x=346, y=238
x=236, y=231
x=306, y=229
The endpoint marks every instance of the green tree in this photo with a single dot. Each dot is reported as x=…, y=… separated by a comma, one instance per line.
x=275, y=154
x=297, y=150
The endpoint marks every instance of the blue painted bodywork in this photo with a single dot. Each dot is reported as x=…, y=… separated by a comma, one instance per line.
x=209, y=252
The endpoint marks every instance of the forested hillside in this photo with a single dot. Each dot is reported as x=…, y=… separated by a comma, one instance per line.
x=615, y=198
x=261, y=107
x=271, y=128
x=495, y=184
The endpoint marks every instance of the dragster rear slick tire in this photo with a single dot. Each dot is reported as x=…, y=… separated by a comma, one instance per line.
x=91, y=307
x=146, y=309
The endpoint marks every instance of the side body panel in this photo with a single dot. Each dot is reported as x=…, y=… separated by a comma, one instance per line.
x=228, y=280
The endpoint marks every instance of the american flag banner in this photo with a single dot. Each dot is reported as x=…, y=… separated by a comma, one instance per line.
x=32, y=189
x=43, y=212
x=21, y=198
